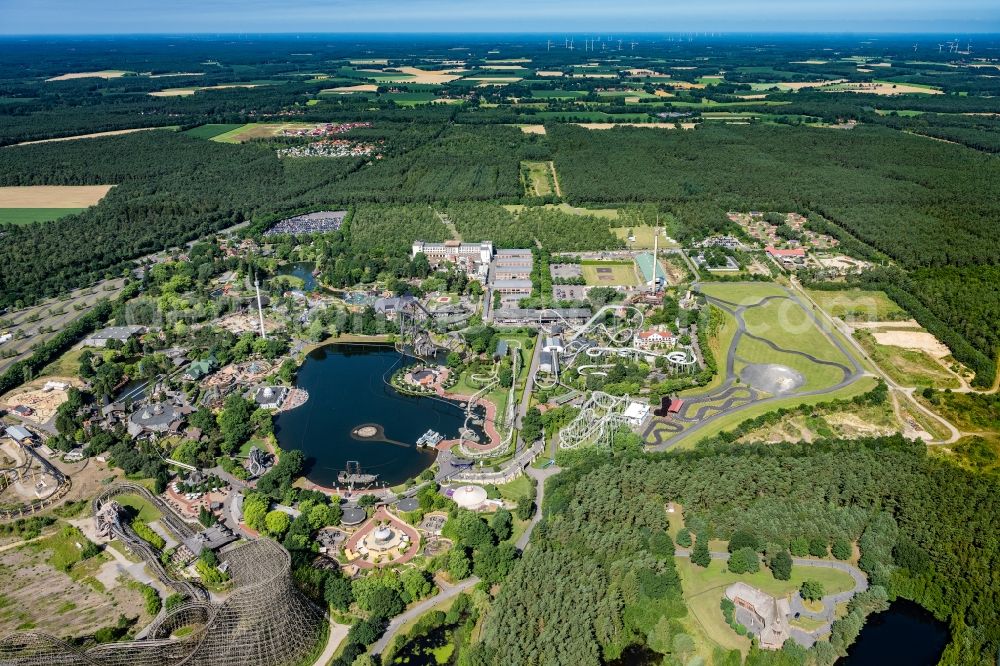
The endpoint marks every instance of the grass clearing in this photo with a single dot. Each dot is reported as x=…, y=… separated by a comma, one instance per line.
x=643, y=237
x=33, y=215
x=855, y=304
x=609, y=274
x=737, y=416
x=786, y=324
x=146, y=511
x=538, y=179
x=907, y=367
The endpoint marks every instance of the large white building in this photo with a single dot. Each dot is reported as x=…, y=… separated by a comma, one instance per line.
x=473, y=258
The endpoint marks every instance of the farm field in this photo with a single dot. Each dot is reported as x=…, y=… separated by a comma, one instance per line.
x=100, y=74
x=96, y=135
x=52, y=196
x=609, y=274
x=33, y=215
x=212, y=130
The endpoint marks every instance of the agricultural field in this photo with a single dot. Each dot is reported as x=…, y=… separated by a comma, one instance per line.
x=52, y=196
x=610, y=274
x=212, y=130
x=32, y=215
x=44, y=203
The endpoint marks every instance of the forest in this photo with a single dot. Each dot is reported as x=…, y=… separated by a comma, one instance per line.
x=924, y=528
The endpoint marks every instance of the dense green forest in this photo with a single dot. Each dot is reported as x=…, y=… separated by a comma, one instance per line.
x=925, y=528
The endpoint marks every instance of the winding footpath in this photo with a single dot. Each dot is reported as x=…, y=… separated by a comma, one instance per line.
x=830, y=601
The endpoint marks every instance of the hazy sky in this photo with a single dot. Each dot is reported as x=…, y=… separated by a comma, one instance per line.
x=556, y=16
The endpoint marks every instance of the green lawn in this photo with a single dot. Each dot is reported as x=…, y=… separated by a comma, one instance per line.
x=785, y=323
x=609, y=274
x=33, y=215
x=742, y=293
x=147, y=512
x=817, y=375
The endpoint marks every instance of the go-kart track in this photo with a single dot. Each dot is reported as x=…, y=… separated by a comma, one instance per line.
x=754, y=383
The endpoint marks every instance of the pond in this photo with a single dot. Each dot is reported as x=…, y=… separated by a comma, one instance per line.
x=903, y=635
x=348, y=388
x=302, y=270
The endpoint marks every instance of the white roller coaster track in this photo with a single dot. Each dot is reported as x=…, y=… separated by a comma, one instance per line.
x=597, y=421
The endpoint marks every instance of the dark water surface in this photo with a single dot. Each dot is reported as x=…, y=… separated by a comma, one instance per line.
x=302, y=270
x=346, y=390
x=904, y=635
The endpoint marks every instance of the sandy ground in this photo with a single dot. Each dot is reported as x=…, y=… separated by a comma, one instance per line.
x=242, y=323
x=501, y=67
x=906, y=323
x=343, y=90
x=370, y=61
x=103, y=74
x=424, y=76
x=95, y=135
x=544, y=72
x=52, y=196
x=808, y=62
x=45, y=403
x=919, y=340
x=594, y=75
x=604, y=126
x=532, y=129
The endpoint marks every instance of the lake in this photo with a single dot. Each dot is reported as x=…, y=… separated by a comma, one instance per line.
x=303, y=271
x=348, y=388
x=904, y=635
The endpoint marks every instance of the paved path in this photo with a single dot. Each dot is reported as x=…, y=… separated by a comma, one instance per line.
x=540, y=475
x=397, y=622
x=830, y=601
x=338, y=632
